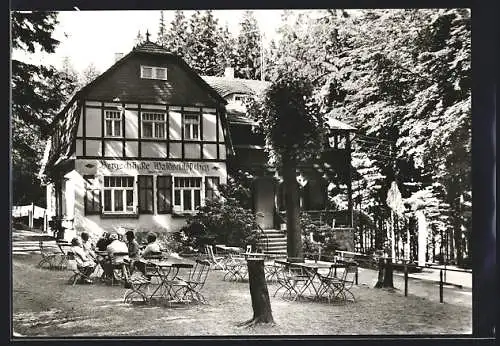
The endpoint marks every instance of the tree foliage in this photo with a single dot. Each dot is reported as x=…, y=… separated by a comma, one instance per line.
x=248, y=49
x=175, y=38
x=402, y=77
x=290, y=119
x=202, y=43
x=89, y=74
x=223, y=220
x=294, y=132
x=200, y=40
x=38, y=92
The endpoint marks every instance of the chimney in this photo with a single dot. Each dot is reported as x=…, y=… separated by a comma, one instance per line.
x=229, y=72
x=118, y=56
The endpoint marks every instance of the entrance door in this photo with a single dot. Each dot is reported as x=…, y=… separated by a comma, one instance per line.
x=264, y=202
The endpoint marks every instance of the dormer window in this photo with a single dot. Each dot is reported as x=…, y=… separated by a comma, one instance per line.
x=151, y=72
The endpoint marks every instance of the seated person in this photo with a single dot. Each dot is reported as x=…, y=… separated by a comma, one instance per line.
x=153, y=247
x=103, y=242
x=133, y=246
x=150, y=251
x=117, y=247
x=84, y=263
x=87, y=245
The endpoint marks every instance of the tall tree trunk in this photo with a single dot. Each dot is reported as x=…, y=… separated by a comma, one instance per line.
x=421, y=237
x=294, y=234
x=451, y=241
x=393, y=238
x=261, y=303
x=378, y=234
x=457, y=232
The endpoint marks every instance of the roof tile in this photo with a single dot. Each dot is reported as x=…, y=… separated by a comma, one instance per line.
x=227, y=86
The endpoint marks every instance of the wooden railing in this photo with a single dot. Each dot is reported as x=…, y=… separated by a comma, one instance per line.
x=262, y=235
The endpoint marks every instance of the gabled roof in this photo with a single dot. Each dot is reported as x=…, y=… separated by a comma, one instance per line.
x=227, y=86
x=151, y=47
x=147, y=47
x=335, y=124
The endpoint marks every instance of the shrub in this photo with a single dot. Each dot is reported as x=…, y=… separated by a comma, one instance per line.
x=322, y=236
x=220, y=221
x=168, y=241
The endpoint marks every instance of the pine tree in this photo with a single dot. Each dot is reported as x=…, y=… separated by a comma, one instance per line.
x=175, y=40
x=69, y=71
x=162, y=30
x=401, y=76
x=226, y=50
x=89, y=74
x=139, y=38
x=248, y=49
x=202, y=48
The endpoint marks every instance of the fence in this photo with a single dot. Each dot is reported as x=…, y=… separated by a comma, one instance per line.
x=370, y=262
x=442, y=278
x=32, y=212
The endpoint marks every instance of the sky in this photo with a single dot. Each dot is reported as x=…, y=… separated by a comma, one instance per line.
x=95, y=36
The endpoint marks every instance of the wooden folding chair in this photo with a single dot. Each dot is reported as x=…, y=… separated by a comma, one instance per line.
x=119, y=264
x=140, y=283
x=349, y=279
x=78, y=272
x=236, y=268
x=216, y=262
x=192, y=286
x=336, y=288
x=48, y=257
x=292, y=280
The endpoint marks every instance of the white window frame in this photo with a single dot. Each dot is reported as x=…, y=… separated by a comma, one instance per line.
x=109, y=115
x=154, y=122
x=124, y=190
x=241, y=98
x=154, y=72
x=179, y=208
x=189, y=127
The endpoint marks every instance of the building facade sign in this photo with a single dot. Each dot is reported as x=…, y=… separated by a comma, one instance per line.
x=149, y=167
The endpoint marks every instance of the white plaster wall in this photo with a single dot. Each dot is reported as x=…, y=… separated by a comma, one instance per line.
x=161, y=223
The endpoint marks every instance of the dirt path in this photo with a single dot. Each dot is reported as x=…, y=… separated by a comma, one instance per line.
x=44, y=305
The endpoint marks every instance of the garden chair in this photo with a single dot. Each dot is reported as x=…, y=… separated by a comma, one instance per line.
x=140, y=284
x=119, y=265
x=78, y=275
x=216, y=262
x=292, y=280
x=48, y=257
x=337, y=288
x=236, y=268
x=271, y=268
x=192, y=286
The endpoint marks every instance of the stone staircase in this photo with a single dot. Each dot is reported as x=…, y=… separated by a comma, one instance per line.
x=273, y=241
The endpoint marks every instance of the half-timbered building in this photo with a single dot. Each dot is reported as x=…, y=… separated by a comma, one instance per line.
x=148, y=141
x=140, y=147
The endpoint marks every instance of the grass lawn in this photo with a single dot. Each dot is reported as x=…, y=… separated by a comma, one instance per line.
x=44, y=305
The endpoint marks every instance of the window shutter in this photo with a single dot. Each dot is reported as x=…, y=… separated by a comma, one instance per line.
x=164, y=194
x=92, y=196
x=145, y=190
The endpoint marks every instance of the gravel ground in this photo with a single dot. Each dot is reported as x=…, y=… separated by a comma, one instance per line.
x=44, y=305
